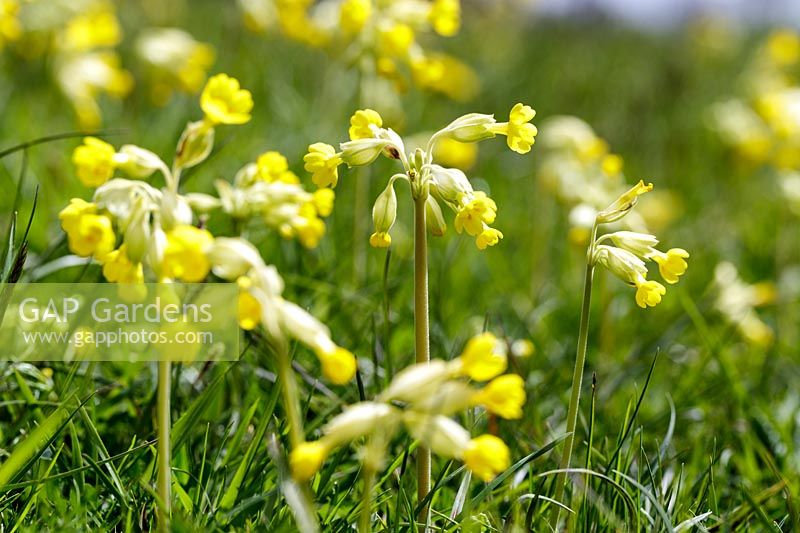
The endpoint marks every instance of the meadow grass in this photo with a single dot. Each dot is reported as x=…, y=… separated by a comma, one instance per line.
x=682, y=424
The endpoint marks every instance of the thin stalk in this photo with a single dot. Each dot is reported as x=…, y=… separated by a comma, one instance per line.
x=422, y=339
x=577, y=382
x=369, y=472
x=360, y=205
x=291, y=401
x=164, y=480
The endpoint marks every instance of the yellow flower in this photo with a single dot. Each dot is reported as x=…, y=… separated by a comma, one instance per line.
x=474, y=214
x=672, y=264
x=273, y=166
x=72, y=213
x=306, y=459
x=224, y=102
x=185, y=254
x=94, y=161
x=620, y=207
x=449, y=152
x=310, y=229
x=445, y=17
x=648, y=293
x=338, y=365
x=446, y=75
x=353, y=14
x=88, y=234
x=784, y=47
x=611, y=165
x=10, y=28
x=520, y=133
x=322, y=199
x=323, y=163
x=488, y=237
x=481, y=360
x=503, y=396
x=249, y=311
x=380, y=239
x=361, y=124
x=396, y=40
x=100, y=29
x=486, y=456
x=118, y=268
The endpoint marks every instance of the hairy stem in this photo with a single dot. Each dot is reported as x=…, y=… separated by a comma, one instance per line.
x=164, y=481
x=422, y=338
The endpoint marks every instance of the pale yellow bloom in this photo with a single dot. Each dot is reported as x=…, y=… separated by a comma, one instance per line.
x=486, y=456
x=474, y=214
x=503, y=396
x=95, y=29
x=10, y=28
x=225, y=102
x=118, y=268
x=488, y=237
x=396, y=40
x=185, y=256
x=353, y=14
x=520, y=133
x=323, y=162
x=445, y=17
x=94, y=161
x=362, y=123
x=482, y=359
x=648, y=293
x=306, y=459
x=273, y=166
x=72, y=213
x=380, y=239
x=249, y=312
x=89, y=234
x=784, y=47
x=338, y=365
x=672, y=264
x=322, y=199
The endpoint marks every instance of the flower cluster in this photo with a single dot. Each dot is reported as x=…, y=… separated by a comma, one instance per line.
x=737, y=302
x=626, y=255
x=430, y=183
x=382, y=39
x=162, y=238
x=422, y=398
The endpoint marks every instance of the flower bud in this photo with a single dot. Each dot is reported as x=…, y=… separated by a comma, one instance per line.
x=232, y=258
x=201, y=202
x=137, y=232
x=155, y=250
x=137, y=162
x=449, y=184
x=358, y=420
x=194, y=145
x=362, y=151
x=468, y=128
x=622, y=205
x=384, y=212
x=434, y=218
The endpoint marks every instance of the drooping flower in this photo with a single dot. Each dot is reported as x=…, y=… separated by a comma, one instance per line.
x=486, y=456
x=482, y=358
x=503, y=396
x=672, y=264
x=520, y=133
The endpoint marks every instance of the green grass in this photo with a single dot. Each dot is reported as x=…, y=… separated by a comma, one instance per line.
x=706, y=430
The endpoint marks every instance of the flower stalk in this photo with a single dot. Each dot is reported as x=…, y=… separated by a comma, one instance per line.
x=291, y=401
x=164, y=480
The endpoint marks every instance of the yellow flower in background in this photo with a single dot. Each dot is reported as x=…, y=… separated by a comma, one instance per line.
x=72, y=213
x=323, y=199
x=481, y=359
x=671, y=264
x=185, y=254
x=447, y=75
x=353, y=14
x=94, y=161
x=486, y=456
x=310, y=228
x=118, y=268
x=452, y=153
x=445, y=17
x=225, y=102
x=488, y=237
x=97, y=29
x=784, y=47
x=338, y=365
x=503, y=396
x=306, y=459
x=10, y=28
x=396, y=40
x=648, y=292
x=611, y=165
x=362, y=123
x=249, y=310
x=89, y=235
x=520, y=133
x=474, y=214
x=323, y=162
x=273, y=166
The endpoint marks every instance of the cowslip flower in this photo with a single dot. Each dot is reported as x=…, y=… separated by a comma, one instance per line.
x=487, y=456
x=520, y=133
x=503, y=396
x=88, y=234
x=94, y=161
x=224, y=101
x=323, y=163
x=483, y=358
x=273, y=166
x=185, y=255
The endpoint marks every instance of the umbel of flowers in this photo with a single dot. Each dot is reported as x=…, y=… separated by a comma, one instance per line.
x=430, y=183
x=421, y=399
x=139, y=232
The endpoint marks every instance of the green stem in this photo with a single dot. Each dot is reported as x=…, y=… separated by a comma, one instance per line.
x=369, y=473
x=164, y=481
x=577, y=382
x=422, y=339
x=291, y=401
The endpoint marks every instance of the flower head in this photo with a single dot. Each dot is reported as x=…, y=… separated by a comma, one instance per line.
x=273, y=166
x=225, y=102
x=362, y=123
x=185, y=256
x=520, y=133
x=648, y=292
x=482, y=359
x=94, y=161
x=323, y=162
x=488, y=237
x=306, y=459
x=672, y=264
x=88, y=234
x=118, y=268
x=486, y=456
x=503, y=396
x=338, y=365
x=445, y=17
x=475, y=213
